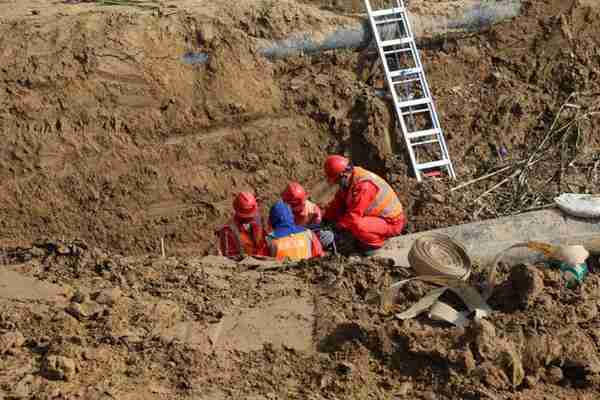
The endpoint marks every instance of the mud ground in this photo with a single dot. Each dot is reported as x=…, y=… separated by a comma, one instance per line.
x=80, y=323
x=109, y=136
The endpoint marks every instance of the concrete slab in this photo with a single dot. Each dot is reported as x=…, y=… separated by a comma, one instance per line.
x=485, y=239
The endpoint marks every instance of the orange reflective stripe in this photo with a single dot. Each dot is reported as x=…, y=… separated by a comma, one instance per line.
x=236, y=236
x=379, y=205
x=245, y=242
x=386, y=204
x=394, y=209
x=295, y=247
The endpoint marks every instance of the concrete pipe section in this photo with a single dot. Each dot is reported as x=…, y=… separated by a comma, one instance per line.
x=484, y=240
x=473, y=17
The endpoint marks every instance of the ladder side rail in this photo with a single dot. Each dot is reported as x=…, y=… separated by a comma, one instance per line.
x=434, y=115
x=392, y=90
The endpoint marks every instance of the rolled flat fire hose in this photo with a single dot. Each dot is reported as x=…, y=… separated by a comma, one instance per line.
x=440, y=260
x=437, y=254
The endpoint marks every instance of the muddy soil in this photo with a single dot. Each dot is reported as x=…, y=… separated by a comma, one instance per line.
x=111, y=135
x=82, y=323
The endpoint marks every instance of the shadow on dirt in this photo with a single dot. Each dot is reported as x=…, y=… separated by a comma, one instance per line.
x=364, y=152
x=343, y=333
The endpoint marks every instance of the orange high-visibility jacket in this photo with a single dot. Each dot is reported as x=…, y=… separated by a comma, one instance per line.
x=239, y=240
x=386, y=203
x=298, y=246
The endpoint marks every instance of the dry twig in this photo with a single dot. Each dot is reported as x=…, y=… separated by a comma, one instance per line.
x=562, y=140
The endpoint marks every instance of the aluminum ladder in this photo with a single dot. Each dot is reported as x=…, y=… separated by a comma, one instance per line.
x=405, y=78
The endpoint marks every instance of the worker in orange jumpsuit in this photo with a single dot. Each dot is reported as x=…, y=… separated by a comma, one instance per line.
x=244, y=235
x=288, y=240
x=365, y=204
x=305, y=211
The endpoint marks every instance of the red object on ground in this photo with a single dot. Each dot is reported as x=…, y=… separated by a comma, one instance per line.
x=433, y=173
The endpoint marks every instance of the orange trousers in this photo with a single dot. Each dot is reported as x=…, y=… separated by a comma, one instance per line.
x=373, y=231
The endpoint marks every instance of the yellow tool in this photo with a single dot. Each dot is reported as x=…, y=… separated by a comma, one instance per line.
x=572, y=255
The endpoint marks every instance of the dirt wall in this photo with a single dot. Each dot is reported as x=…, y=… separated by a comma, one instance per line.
x=108, y=133
x=111, y=136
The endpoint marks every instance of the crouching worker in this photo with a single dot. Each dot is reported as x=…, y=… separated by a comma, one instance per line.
x=365, y=204
x=288, y=240
x=244, y=235
x=307, y=213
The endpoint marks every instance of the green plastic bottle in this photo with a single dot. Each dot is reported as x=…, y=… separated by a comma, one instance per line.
x=573, y=275
x=573, y=272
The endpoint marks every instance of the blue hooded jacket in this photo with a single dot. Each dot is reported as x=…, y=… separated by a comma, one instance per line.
x=281, y=219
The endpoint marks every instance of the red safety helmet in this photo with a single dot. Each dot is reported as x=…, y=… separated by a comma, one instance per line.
x=295, y=195
x=245, y=205
x=334, y=166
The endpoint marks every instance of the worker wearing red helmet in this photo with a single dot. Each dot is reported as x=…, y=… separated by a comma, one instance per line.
x=365, y=205
x=244, y=235
x=305, y=211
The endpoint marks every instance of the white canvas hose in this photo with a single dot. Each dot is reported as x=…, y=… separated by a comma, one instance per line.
x=440, y=260
x=437, y=254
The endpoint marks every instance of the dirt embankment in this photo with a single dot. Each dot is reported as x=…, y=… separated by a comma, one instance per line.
x=111, y=136
x=77, y=322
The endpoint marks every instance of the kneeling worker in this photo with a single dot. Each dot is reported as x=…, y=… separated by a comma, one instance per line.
x=244, y=235
x=365, y=204
x=289, y=240
x=305, y=211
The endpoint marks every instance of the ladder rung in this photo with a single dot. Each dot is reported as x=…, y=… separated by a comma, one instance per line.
x=424, y=142
x=388, y=21
x=433, y=164
x=388, y=11
x=404, y=72
x=397, y=51
x=413, y=103
x=418, y=134
x=406, y=81
x=422, y=110
x=396, y=42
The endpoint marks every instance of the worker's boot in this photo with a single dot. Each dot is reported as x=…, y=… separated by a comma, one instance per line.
x=345, y=243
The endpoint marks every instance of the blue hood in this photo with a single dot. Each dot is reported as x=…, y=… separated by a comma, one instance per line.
x=281, y=219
